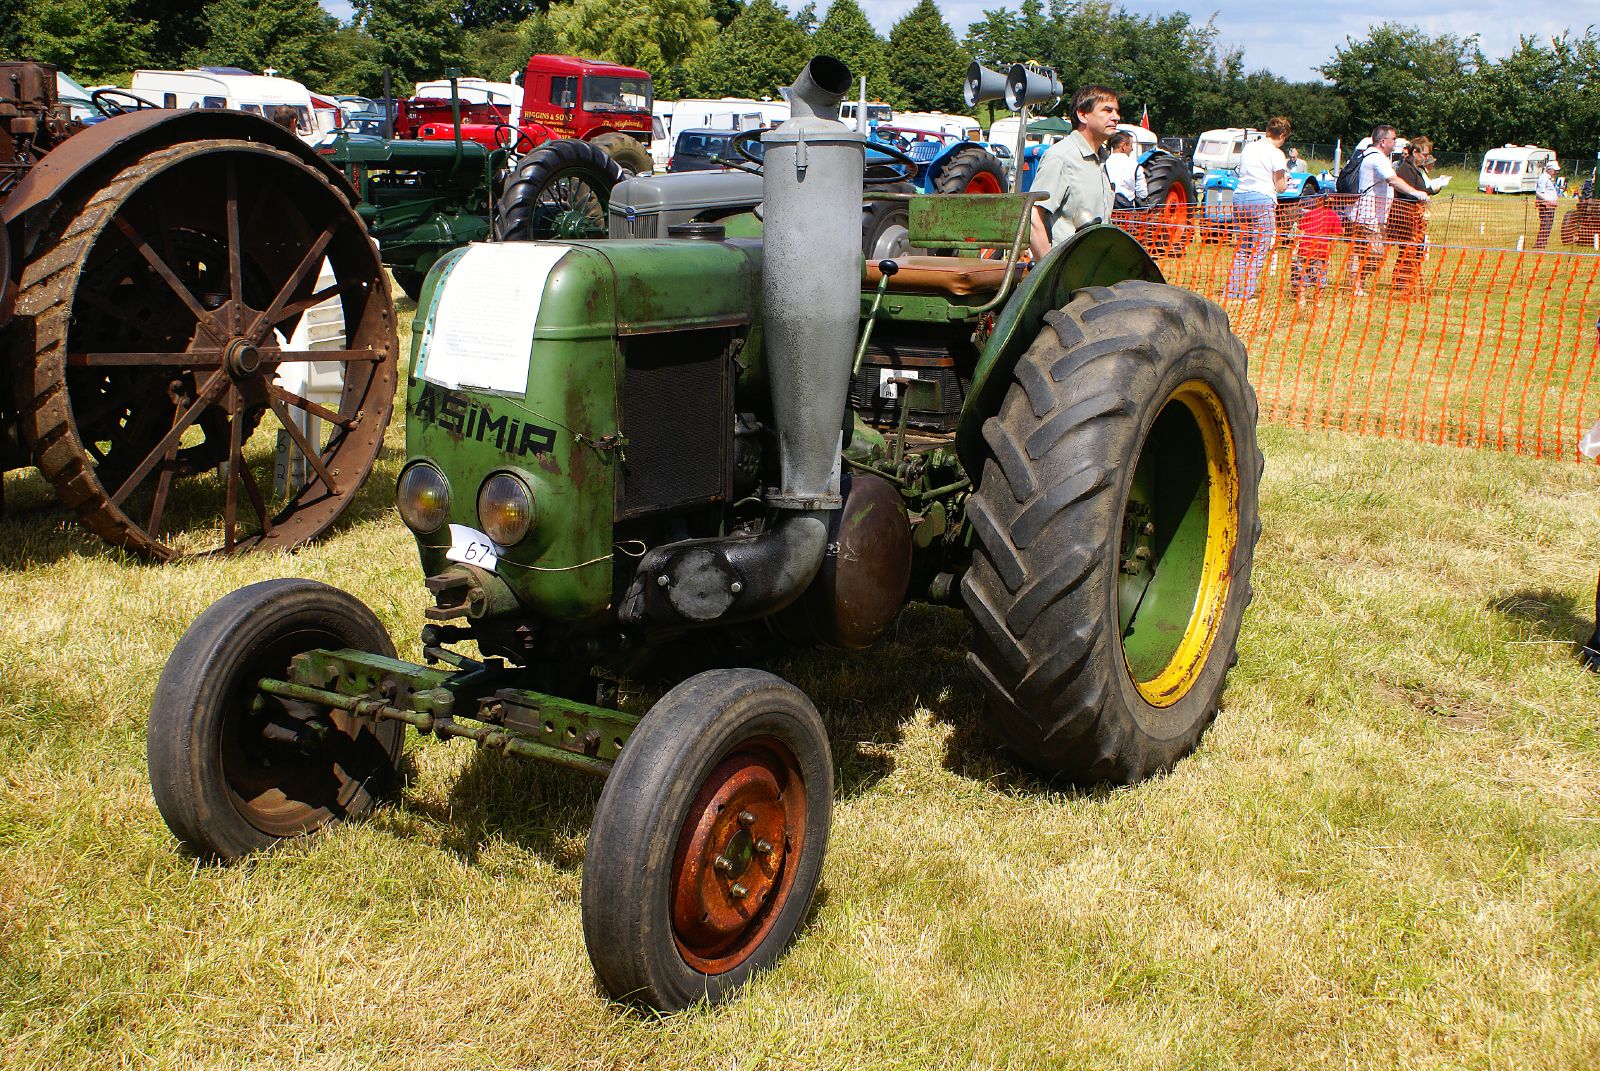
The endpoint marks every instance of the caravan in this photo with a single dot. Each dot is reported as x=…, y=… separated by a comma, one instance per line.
x=1513, y=168
x=230, y=87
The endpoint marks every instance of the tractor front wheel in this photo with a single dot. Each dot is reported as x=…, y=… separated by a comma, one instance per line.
x=235, y=770
x=707, y=843
x=1116, y=521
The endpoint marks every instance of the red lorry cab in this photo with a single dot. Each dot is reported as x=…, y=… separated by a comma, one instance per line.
x=581, y=98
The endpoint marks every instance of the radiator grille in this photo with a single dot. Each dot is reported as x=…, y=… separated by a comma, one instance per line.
x=677, y=417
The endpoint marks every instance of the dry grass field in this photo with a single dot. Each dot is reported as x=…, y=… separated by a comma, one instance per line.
x=1385, y=854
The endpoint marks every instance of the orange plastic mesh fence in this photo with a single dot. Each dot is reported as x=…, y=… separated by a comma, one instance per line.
x=1451, y=340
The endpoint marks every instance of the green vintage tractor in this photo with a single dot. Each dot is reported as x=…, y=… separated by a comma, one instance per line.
x=626, y=445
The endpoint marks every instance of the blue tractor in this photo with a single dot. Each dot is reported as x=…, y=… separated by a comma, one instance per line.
x=945, y=164
x=1169, y=201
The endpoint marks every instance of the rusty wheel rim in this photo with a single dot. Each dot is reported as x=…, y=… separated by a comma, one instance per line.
x=290, y=767
x=737, y=854
x=171, y=353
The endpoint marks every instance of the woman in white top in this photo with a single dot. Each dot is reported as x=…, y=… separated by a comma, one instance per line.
x=1263, y=174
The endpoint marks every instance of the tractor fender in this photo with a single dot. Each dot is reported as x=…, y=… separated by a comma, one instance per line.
x=93, y=154
x=1097, y=255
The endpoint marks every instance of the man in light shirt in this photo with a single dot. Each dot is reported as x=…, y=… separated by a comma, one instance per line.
x=1128, y=187
x=1072, y=175
x=1263, y=174
x=1545, y=195
x=1375, y=178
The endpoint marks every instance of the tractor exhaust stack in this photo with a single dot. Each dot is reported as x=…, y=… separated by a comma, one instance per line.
x=811, y=280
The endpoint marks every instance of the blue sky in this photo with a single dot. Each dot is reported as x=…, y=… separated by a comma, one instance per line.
x=1284, y=38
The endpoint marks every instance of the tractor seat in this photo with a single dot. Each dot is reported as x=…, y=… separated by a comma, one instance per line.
x=947, y=276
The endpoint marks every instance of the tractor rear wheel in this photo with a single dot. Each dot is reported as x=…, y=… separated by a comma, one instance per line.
x=235, y=770
x=159, y=307
x=630, y=156
x=1116, y=521
x=1170, y=185
x=562, y=189
x=886, y=226
x=971, y=170
x=707, y=844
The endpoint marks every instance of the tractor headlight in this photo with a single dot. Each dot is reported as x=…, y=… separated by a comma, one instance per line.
x=423, y=496
x=505, y=508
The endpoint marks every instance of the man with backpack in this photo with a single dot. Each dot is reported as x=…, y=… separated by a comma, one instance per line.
x=1369, y=178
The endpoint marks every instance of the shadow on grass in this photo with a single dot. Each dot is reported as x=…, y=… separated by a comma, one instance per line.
x=1553, y=615
x=869, y=702
x=36, y=530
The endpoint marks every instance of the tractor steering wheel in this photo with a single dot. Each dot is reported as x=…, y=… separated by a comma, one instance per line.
x=106, y=101
x=511, y=139
x=900, y=168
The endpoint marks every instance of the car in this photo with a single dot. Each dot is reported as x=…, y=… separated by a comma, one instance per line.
x=703, y=149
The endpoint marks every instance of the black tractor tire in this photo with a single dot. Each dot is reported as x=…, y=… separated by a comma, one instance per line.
x=562, y=189
x=971, y=170
x=223, y=786
x=630, y=156
x=1170, y=204
x=886, y=226
x=707, y=844
x=1116, y=517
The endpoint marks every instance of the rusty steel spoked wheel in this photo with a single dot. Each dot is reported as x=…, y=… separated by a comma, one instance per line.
x=159, y=389
x=708, y=840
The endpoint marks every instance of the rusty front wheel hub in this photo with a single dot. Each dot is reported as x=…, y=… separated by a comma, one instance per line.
x=733, y=867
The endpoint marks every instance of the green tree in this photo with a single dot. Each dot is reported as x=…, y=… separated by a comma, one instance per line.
x=925, y=62
x=725, y=11
x=846, y=34
x=258, y=34
x=651, y=34
x=1403, y=76
x=10, y=27
x=177, y=27
x=346, y=61
x=494, y=52
x=760, y=51
x=89, y=39
x=477, y=14
x=417, y=38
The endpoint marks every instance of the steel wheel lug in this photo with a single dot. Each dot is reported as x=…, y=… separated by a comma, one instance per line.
x=746, y=818
x=739, y=891
x=764, y=847
x=723, y=864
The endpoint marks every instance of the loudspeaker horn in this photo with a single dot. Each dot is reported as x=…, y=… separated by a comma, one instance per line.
x=1026, y=87
x=983, y=84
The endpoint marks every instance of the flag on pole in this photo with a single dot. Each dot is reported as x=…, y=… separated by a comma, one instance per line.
x=1144, y=120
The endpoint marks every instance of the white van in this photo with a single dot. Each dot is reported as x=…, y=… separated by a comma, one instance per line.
x=1221, y=148
x=877, y=111
x=229, y=87
x=1004, y=132
x=1513, y=169
x=503, y=95
x=727, y=113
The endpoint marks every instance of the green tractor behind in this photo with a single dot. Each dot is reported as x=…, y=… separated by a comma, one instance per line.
x=627, y=444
